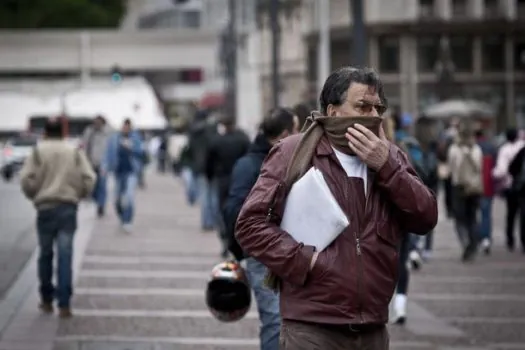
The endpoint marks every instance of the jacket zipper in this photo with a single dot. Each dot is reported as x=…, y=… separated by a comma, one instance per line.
x=272, y=204
x=357, y=237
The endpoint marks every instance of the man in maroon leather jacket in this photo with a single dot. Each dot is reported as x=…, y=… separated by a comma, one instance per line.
x=338, y=298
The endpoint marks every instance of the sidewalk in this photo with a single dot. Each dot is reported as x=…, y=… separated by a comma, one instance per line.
x=145, y=291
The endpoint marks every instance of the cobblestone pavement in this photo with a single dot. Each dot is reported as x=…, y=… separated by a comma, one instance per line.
x=145, y=291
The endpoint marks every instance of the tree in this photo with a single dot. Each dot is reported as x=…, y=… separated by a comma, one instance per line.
x=272, y=9
x=287, y=7
x=38, y=14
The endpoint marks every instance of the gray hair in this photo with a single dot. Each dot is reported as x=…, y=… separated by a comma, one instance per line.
x=337, y=84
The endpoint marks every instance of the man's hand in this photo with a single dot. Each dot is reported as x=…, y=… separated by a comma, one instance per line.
x=372, y=150
x=314, y=259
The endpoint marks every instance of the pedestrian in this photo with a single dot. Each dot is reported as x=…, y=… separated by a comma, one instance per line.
x=465, y=163
x=488, y=163
x=506, y=154
x=55, y=177
x=338, y=298
x=224, y=150
x=278, y=124
x=124, y=160
x=517, y=171
x=95, y=142
x=202, y=129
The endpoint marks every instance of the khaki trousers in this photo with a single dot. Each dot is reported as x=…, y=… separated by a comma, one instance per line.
x=310, y=336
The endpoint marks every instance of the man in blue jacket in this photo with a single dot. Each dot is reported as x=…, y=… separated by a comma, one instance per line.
x=124, y=159
x=279, y=124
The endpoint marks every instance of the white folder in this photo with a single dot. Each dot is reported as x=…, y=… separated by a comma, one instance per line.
x=312, y=215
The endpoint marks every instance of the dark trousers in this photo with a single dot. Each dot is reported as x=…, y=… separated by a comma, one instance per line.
x=448, y=193
x=310, y=336
x=404, y=273
x=56, y=226
x=465, y=210
x=515, y=206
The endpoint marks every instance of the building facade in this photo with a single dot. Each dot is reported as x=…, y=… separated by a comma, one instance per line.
x=486, y=40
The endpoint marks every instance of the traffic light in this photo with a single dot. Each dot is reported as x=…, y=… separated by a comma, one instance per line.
x=116, y=75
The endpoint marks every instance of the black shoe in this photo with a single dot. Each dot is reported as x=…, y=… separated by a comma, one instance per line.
x=469, y=253
x=100, y=212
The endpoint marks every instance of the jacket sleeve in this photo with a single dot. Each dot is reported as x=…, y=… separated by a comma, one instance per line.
x=30, y=177
x=515, y=165
x=242, y=180
x=258, y=231
x=87, y=175
x=416, y=204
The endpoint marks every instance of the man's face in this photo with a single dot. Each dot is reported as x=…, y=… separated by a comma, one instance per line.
x=126, y=128
x=98, y=124
x=361, y=101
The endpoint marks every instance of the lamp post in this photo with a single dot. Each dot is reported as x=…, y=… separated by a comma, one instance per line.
x=228, y=59
x=276, y=39
x=323, y=58
x=359, y=40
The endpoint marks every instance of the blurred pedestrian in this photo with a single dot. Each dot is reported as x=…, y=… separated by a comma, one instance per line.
x=489, y=156
x=465, y=162
x=338, y=298
x=506, y=154
x=277, y=125
x=124, y=160
x=95, y=143
x=55, y=177
x=225, y=148
x=302, y=111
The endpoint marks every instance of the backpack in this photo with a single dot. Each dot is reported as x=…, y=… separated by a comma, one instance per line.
x=469, y=176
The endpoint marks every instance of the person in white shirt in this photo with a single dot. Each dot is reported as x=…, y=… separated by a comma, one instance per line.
x=465, y=161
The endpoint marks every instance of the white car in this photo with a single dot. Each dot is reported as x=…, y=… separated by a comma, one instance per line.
x=14, y=153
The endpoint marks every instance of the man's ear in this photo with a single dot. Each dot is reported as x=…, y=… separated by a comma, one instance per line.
x=331, y=111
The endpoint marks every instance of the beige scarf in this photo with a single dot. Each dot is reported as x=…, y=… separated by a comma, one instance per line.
x=316, y=125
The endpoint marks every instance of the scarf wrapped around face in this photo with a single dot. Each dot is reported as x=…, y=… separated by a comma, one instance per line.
x=316, y=125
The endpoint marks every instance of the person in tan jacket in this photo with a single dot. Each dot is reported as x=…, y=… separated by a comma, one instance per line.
x=55, y=177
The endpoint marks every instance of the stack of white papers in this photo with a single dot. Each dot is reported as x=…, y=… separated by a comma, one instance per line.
x=312, y=216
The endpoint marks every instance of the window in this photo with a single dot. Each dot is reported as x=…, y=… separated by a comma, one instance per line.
x=191, y=76
x=459, y=8
x=461, y=51
x=493, y=9
x=519, y=55
x=191, y=19
x=427, y=53
x=426, y=8
x=520, y=8
x=493, y=53
x=388, y=54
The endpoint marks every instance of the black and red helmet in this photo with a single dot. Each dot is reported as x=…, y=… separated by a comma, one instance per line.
x=228, y=294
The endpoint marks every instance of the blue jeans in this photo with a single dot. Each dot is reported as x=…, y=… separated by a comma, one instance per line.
x=56, y=225
x=125, y=185
x=267, y=305
x=190, y=185
x=485, y=225
x=209, y=203
x=100, y=190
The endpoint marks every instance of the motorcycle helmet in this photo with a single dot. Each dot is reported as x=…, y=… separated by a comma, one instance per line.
x=228, y=294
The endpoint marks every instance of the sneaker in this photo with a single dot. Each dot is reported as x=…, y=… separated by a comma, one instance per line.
x=65, y=312
x=415, y=260
x=100, y=212
x=400, y=309
x=485, y=246
x=126, y=228
x=46, y=307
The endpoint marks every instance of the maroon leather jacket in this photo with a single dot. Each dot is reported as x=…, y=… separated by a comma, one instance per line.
x=354, y=278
